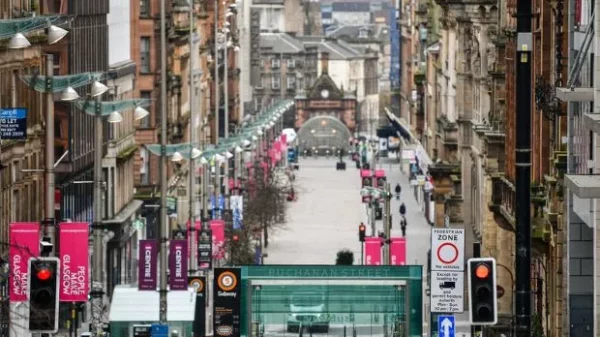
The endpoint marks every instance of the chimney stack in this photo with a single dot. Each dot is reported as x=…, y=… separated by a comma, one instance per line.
x=325, y=62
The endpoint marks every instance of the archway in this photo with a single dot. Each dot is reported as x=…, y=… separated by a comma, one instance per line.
x=323, y=133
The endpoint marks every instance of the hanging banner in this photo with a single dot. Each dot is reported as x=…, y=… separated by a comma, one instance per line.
x=227, y=302
x=178, y=265
x=398, y=251
x=147, y=265
x=373, y=251
x=237, y=206
x=218, y=238
x=24, y=238
x=199, y=284
x=74, y=261
x=196, y=232
x=205, y=249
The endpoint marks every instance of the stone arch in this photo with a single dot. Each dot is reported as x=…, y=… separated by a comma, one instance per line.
x=324, y=132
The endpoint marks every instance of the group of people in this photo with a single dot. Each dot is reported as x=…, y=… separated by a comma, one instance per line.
x=402, y=210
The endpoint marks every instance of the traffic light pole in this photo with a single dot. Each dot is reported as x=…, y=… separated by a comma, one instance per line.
x=388, y=222
x=523, y=169
x=49, y=219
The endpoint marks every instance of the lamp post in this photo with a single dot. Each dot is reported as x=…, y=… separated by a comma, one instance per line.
x=100, y=110
x=163, y=223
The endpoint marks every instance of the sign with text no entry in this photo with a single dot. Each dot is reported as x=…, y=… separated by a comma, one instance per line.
x=448, y=249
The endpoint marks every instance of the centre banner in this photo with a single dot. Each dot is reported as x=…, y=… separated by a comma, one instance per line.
x=147, y=265
x=24, y=238
x=74, y=261
x=178, y=265
x=398, y=251
x=218, y=239
x=373, y=251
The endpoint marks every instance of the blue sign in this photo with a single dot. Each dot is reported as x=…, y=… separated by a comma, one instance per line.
x=446, y=326
x=159, y=330
x=13, y=123
x=292, y=155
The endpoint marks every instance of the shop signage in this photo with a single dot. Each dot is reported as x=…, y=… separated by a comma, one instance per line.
x=227, y=302
x=199, y=284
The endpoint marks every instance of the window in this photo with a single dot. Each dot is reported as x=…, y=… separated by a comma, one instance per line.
x=275, y=81
x=145, y=55
x=144, y=7
x=275, y=63
x=144, y=167
x=56, y=63
x=291, y=63
x=145, y=122
x=291, y=82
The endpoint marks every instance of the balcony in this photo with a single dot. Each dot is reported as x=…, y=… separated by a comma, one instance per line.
x=447, y=131
x=503, y=201
x=181, y=23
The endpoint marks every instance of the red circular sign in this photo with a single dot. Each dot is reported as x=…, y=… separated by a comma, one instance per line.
x=445, y=260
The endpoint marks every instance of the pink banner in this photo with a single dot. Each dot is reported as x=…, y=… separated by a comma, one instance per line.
x=380, y=173
x=218, y=237
x=373, y=251
x=24, y=240
x=398, y=251
x=365, y=173
x=284, y=138
x=197, y=227
x=74, y=261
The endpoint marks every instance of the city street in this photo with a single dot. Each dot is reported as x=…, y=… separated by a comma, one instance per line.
x=326, y=216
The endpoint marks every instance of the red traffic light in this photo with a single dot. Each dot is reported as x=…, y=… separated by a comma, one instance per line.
x=482, y=271
x=44, y=274
x=235, y=238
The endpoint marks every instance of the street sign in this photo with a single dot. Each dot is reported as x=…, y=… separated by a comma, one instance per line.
x=13, y=123
x=448, y=249
x=446, y=326
x=447, y=291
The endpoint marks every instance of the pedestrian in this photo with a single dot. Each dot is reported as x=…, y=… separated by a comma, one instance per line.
x=398, y=190
x=403, y=226
x=402, y=209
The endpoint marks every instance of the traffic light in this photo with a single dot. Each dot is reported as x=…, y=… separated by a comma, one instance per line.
x=483, y=295
x=43, y=294
x=361, y=233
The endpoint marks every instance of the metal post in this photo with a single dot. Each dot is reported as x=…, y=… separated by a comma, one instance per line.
x=388, y=222
x=373, y=204
x=217, y=181
x=523, y=168
x=163, y=223
x=282, y=88
x=226, y=113
x=192, y=174
x=49, y=167
x=98, y=268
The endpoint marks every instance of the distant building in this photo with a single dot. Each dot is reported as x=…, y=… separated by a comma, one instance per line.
x=371, y=38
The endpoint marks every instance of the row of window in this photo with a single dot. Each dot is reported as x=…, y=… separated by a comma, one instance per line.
x=291, y=82
x=276, y=63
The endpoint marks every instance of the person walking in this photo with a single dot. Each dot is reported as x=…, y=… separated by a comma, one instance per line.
x=403, y=226
x=402, y=209
x=398, y=190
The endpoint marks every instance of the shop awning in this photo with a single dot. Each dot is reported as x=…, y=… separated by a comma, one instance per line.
x=401, y=130
x=132, y=305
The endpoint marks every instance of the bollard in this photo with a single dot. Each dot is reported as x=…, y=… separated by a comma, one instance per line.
x=344, y=331
x=354, y=331
x=300, y=330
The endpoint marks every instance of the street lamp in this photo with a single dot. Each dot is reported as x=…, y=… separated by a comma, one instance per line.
x=19, y=41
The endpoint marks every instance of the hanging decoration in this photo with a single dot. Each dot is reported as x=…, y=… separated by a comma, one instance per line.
x=8, y=28
x=60, y=83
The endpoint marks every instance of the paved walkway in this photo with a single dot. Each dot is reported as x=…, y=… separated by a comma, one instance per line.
x=326, y=216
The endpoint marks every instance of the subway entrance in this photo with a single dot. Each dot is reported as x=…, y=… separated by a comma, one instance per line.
x=344, y=301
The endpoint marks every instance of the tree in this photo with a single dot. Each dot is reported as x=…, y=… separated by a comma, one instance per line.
x=265, y=201
x=344, y=258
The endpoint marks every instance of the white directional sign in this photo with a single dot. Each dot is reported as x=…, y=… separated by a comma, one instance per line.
x=448, y=249
x=447, y=291
x=446, y=326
